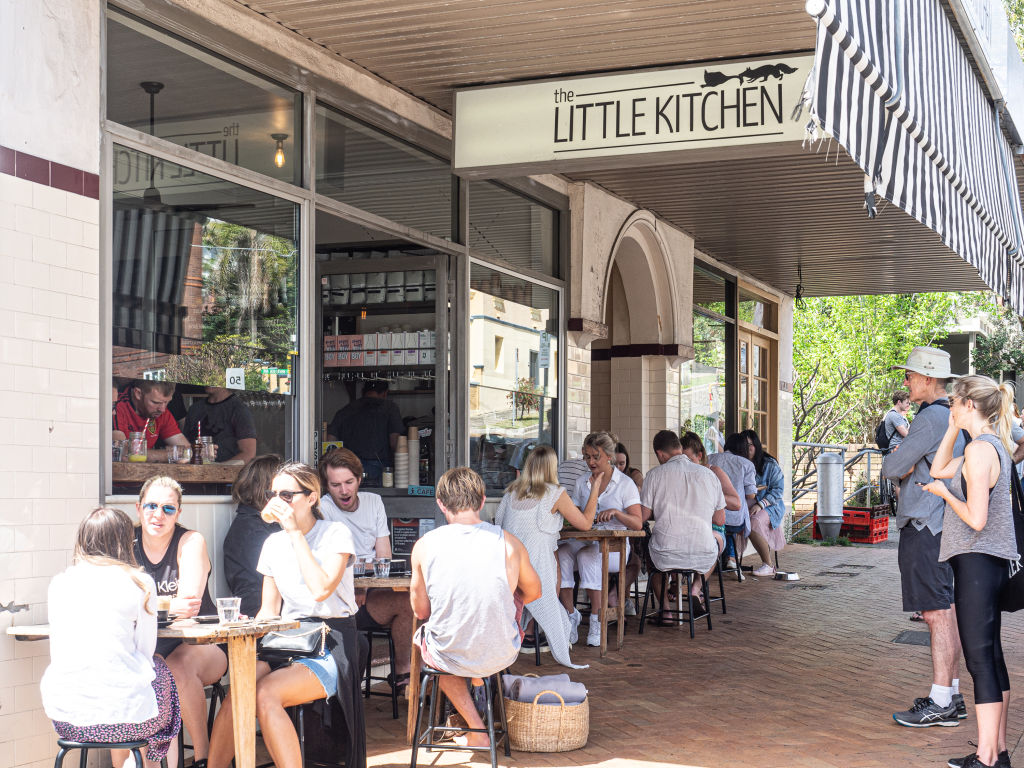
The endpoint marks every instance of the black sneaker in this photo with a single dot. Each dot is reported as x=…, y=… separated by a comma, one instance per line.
x=925, y=713
x=972, y=761
x=479, y=695
x=961, y=706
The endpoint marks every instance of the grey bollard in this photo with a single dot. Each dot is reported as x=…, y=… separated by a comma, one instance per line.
x=830, y=494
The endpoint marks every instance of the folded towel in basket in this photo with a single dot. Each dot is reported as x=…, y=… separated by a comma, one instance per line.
x=508, y=680
x=527, y=688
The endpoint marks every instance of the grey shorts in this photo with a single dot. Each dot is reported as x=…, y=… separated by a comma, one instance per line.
x=927, y=583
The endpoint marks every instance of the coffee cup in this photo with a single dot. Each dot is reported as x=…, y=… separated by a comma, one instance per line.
x=268, y=515
x=163, y=607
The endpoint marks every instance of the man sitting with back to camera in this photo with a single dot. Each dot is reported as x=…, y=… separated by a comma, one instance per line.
x=363, y=513
x=470, y=580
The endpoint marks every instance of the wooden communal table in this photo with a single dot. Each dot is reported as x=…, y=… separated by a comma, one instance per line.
x=401, y=584
x=609, y=540
x=241, y=640
x=141, y=471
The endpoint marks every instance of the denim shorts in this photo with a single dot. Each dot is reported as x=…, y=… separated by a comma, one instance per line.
x=325, y=669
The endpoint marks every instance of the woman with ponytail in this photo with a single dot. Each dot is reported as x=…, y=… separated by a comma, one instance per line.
x=103, y=682
x=978, y=542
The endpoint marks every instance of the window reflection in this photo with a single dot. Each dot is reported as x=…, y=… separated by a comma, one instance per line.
x=505, y=225
x=703, y=383
x=513, y=332
x=709, y=291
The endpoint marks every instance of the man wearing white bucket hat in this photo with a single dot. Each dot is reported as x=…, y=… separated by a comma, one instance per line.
x=927, y=583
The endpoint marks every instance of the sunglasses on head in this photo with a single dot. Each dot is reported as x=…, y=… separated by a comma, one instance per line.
x=167, y=509
x=287, y=496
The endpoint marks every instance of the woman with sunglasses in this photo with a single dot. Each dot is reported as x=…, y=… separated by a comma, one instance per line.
x=176, y=559
x=305, y=577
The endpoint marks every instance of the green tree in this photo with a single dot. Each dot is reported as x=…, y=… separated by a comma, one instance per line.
x=1015, y=14
x=1001, y=350
x=525, y=398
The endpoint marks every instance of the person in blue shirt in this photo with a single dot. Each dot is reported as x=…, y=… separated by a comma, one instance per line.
x=769, y=509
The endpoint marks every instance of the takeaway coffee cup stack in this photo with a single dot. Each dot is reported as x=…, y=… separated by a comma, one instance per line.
x=414, y=456
x=402, y=462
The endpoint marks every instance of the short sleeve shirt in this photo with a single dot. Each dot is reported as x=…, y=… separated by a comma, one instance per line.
x=226, y=422
x=365, y=427
x=569, y=471
x=278, y=561
x=895, y=419
x=683, y=497
x=128, y=420
x=620, y=494
x=367, y=524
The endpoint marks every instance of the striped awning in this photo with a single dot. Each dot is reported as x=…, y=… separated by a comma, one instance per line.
x=893, y=85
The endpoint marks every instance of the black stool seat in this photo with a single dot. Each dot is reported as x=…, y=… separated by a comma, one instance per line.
x=679, y=615
x=66, y=745
x=425, y=736
x=381, y=631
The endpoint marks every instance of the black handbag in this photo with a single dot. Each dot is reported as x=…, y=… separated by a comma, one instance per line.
x=308, y=640
x=1011, y=598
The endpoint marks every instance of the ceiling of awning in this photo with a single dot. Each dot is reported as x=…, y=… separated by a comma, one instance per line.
x=764, y=216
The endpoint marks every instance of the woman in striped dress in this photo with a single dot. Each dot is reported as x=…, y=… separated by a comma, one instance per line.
x=532, y=510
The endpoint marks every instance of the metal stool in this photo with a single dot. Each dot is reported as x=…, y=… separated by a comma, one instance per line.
x=217, y=694
x=708, y=599
x=392, y=679
x=678, y=614
x=425, y=736
x=134, y=747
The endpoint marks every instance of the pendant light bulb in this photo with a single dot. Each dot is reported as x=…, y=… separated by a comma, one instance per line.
x=279, y=149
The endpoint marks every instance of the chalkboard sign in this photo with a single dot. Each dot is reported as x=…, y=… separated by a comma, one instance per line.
x=405, y=531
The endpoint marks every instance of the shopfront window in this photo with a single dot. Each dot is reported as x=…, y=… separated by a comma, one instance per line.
x=513, y=388
x=704, y=380
x=166, y=87
x=204, y=293
x=508, y=226
x=757, y=311
x=370, y=170
x=710, y=291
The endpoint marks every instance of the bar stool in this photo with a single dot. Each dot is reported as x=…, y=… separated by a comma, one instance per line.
x=381, y=632
x=298, y=714
x=425, y=736
x=677, y=613
x=708, y=599
x=736, y=533
x=134, y=747
x=216, y=696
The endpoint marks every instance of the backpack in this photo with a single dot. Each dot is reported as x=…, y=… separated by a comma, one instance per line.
x=882, y=436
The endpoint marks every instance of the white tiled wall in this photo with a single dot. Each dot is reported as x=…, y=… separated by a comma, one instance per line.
x=49, y=405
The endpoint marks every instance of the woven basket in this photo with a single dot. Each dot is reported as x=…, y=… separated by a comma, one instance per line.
x=534, y=727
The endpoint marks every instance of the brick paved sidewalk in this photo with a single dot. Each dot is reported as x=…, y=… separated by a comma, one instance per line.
x=796, y=674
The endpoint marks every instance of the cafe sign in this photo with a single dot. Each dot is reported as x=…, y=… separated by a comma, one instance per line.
x=623, y=120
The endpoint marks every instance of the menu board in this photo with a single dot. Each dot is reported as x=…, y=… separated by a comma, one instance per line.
x=405, y=531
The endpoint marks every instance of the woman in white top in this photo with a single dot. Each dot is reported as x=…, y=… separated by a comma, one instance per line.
x=103, y=683
x=618, y=507
x=305, y=576
x=532, y=510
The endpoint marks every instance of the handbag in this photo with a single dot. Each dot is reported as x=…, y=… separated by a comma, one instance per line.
x=1011, y=597
x=308, y=640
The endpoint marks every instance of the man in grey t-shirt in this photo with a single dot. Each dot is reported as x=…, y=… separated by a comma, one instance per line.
x=927, y=583
x=896, y=424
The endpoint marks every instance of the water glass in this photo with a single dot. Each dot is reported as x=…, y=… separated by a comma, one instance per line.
x=358, y=567
x=382, y=567
x=227, y=609
x=179, y=454
x=119, y=450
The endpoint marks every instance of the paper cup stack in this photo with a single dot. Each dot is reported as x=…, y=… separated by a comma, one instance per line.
x=414, y=456
x=402, y=462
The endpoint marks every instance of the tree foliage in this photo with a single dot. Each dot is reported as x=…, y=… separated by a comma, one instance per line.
x=525, y=398
x=1000, y=350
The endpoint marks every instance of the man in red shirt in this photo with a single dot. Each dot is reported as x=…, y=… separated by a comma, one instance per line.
x=142, y=407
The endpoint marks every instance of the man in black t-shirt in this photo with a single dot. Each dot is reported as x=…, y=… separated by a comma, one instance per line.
x=225, y=418
x=369, y=427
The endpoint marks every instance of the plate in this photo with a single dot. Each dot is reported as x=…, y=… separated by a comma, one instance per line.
x=165, y=623
x=208, y=619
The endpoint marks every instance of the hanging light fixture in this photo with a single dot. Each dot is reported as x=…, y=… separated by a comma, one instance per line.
x=279, y=150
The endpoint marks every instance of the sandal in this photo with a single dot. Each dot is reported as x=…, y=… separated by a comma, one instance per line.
x=916, y=616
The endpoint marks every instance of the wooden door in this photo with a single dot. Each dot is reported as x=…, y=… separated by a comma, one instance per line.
x=754, y=402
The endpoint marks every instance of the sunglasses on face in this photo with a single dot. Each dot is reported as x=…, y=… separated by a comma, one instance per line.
x=286, y=496
x=167, y=509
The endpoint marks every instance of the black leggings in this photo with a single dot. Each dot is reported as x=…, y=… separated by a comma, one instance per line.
x=978, y=581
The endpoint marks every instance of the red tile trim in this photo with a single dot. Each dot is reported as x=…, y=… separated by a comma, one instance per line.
x=49, y=173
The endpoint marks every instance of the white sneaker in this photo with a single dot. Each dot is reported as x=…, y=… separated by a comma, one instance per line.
x=630, y=608
x=575, y=618
x=730, y=564
x=764, y=570
x=594, y=633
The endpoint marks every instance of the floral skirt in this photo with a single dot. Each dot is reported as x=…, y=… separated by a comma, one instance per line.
x=158, y=731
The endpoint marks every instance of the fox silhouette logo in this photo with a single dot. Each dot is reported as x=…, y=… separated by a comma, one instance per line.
x=760, y=74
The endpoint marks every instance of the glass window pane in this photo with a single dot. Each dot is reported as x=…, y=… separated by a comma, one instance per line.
x=204, y=281
x=743, y=357
x=507, y=226
x=161, y=85
x=370, y=170
x=513, y=332
x=756, y=310
x=708, y=291
x=703, y=382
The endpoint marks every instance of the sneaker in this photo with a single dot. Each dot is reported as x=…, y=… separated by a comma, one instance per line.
x=479, y=695
x=730, y=564
x=972, y=761
x=594, y=633
x=961, y=707
x=575, y=619
x=630, y=608
x=925, y=713
x=764, y=569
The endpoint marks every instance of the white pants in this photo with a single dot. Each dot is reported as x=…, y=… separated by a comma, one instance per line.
x=585, y=556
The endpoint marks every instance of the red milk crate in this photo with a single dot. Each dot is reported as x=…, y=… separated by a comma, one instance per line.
x=872, y=533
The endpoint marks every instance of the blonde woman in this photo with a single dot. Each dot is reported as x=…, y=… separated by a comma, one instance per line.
x=532, y=510
x=305, y=576
x=979, y=543
x=176, y=559
x=104, y=683
x=618, y=507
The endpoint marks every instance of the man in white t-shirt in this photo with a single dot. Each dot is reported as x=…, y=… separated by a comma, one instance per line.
x=684, y=499
x=341, y=472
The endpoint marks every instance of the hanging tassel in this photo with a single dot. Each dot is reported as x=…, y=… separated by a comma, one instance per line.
x=869, y=197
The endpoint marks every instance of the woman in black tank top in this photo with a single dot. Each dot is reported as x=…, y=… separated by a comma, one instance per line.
x=177, y=560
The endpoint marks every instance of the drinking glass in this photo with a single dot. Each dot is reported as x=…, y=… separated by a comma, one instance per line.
x=227, y=609
x=382, y=567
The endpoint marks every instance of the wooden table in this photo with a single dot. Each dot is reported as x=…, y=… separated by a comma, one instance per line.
x=607, y=539
x=241, y=640
x=401, y=584
x=141, y=471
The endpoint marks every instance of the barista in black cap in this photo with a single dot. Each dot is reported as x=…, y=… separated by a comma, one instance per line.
x=369, y=427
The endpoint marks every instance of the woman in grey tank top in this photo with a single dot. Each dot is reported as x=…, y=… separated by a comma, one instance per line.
x=978, y=541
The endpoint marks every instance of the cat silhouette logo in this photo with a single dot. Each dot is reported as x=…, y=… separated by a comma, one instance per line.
x=749, y=75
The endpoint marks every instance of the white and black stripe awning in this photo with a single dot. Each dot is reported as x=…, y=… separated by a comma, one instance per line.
x=893, y=85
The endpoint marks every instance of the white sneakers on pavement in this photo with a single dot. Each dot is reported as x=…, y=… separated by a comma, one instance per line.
x=575, y=618
x=594, y=633
x=764, y=570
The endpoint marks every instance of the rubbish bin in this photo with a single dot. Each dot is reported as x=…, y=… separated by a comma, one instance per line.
x=830, y=494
